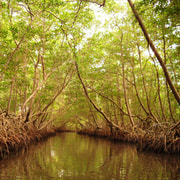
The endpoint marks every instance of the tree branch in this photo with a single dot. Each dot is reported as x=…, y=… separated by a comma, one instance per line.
x=150, y=42
x=89, y=99
x=95, y=2
x=54, y=15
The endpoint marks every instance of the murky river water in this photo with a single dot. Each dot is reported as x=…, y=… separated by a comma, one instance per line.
x=72, y=156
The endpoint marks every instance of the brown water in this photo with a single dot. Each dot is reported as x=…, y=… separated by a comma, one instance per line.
x=72, y=156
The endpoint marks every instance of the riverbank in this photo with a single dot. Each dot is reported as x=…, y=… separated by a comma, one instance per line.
x=16, y=132
x=13, y=141
x=15, y=137
x=74, y=156
x=159, y=139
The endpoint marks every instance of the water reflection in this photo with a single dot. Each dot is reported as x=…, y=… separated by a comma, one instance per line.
x=71, y=156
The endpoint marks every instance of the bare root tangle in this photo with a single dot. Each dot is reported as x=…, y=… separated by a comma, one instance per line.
x=14, y=134
x=166, y=140
x=160, y=137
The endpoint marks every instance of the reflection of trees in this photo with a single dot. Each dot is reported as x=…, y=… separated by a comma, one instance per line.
x=74, y=156
x=117, y=163
x=166, y=166
x=27, y=161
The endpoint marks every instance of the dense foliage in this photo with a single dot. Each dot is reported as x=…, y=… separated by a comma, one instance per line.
x=49, y=49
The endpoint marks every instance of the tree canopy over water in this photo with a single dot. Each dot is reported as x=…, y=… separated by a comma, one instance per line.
x=90, y=63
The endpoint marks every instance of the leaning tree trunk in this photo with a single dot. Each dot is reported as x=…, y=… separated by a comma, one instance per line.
x=112, y=124
x=145, y=89
x=150, y=42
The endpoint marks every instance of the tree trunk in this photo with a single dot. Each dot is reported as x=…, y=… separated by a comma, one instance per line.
x=89, y=99
x=119, y=102
x=159, y=93
x=10, y=96
x=35, y=91
x=150, y=42
x=137, y=93
x=124, y=87
x=145, y=89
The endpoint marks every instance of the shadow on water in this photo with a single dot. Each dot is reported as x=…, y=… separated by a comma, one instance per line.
x=73, y=156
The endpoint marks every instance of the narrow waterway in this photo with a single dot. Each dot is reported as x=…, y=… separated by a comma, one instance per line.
x=72, y=156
